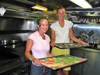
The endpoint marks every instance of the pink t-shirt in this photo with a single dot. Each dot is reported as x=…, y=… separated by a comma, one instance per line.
x=40, y=46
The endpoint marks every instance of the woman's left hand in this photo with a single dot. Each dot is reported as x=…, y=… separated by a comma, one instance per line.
x=84, y=43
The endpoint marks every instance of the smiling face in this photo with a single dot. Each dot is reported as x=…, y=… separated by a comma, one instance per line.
x=43, y=25
x=61, y=14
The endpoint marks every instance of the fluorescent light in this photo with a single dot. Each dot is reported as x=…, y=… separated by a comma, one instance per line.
x=38, y=7
x=82, y=3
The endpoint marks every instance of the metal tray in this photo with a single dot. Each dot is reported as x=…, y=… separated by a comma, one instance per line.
x=70, y=45
x=61, y=61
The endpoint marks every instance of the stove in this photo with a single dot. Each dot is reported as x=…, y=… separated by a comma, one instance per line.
x=12, y=59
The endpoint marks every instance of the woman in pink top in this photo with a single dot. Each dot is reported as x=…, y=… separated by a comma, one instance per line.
x=38, y=43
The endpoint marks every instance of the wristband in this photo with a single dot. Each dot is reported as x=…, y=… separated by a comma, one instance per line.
x=30, y=58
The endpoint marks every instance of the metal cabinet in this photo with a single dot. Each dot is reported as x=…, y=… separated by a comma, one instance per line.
x=90, y=67
x=77, y=69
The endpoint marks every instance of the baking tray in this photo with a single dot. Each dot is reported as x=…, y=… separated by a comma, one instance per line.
x=70, y=45
x=61, y=61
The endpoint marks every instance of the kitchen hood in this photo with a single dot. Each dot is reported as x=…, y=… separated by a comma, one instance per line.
x=17, y=11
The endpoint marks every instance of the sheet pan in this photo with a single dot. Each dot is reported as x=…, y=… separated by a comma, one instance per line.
x=61, y=61
x=70, y=45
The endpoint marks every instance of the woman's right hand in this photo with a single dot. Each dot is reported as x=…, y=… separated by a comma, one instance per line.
x=52, y=43
x=36, y=62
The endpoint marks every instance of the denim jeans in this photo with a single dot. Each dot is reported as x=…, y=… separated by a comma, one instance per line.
x=39, y=70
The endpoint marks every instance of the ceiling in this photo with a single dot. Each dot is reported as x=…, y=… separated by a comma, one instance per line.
x=50, y=4
x=53, y=4
x=24, y=6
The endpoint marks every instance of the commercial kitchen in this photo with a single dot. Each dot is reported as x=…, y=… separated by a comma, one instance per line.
x=18, y=19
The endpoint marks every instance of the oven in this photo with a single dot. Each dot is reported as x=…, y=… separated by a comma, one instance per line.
x=13, y=60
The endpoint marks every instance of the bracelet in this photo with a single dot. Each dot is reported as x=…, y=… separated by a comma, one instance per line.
x=30, y=58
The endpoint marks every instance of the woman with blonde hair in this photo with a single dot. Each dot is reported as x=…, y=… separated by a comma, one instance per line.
x=62, y=32
x=38, y=43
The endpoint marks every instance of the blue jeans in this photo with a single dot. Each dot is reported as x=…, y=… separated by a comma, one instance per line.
x=39, y=70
